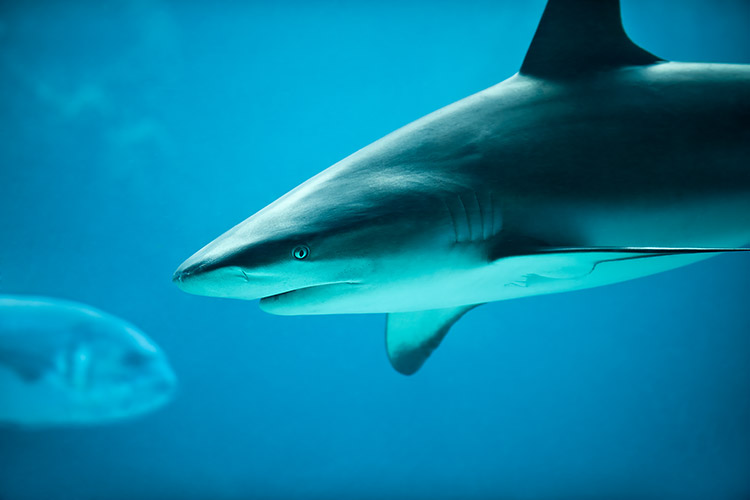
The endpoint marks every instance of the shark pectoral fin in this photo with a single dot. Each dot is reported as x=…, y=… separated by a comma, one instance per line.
x=411, y=337
x=576, y=36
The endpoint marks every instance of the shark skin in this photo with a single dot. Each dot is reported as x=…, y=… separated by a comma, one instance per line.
x=597, y=163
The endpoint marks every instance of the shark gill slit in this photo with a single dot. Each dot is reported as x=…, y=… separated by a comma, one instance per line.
x=497, y=216
x=468, y=217
x=453, y=219
x=474, y=210
x=492, y=214
x=487, y=210
x=482, y=225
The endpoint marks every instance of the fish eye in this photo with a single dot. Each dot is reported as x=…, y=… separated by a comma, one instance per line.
x=134, y=359
x=300, y=252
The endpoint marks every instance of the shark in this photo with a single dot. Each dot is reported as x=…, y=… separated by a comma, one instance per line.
x=64, y=364
x=598, y=162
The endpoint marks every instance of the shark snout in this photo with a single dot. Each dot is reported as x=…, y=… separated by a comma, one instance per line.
x=224, y=277
x=207, y=259
x=190, y=269
x=186, y=271
x=210, y=279
x=195, y=270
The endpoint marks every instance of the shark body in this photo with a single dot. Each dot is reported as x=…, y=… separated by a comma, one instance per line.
x=597, y=163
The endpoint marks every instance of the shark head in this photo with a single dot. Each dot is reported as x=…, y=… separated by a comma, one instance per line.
x=344, y=241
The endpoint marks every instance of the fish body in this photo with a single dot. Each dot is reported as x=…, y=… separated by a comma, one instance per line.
x=63, y=363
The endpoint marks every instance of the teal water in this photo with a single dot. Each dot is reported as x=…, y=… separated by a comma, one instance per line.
x=132, y=133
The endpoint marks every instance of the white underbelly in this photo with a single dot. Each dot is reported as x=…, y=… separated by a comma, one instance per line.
x=538, y=275
x=507, y=278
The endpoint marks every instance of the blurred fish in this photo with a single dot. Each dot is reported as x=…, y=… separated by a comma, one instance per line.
x=64, y=363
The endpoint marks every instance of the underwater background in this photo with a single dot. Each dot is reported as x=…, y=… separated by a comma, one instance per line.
x=134, y=132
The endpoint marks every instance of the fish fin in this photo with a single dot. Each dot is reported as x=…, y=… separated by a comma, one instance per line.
x=411, y=337
x=578, y=36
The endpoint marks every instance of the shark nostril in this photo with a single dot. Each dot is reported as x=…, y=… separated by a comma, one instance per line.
x=181, y=274
x=184, y=272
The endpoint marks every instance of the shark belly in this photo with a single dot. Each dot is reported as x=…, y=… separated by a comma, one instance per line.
x=509, y=278
x=721, y=222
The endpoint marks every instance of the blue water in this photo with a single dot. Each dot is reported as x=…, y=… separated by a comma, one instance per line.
x=132, y=133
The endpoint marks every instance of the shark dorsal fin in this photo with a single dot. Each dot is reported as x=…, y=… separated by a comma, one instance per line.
x=578, y=36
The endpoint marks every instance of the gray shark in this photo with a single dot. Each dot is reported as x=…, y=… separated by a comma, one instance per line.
x=597, y=162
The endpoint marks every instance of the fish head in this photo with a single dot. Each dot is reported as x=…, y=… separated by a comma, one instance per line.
x=337, y=243
x=113, y=372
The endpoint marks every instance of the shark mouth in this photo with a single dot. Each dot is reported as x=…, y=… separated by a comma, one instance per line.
x=301, y=297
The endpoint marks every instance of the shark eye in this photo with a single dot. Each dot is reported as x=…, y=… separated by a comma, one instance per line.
x=300, y=252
